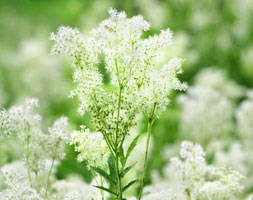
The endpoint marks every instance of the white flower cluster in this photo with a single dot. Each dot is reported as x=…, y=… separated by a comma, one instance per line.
x=189, y=177
x=205, y=114
x=37, y=145
x=217, y=79
x=18, y=187
x=191, y=166
x=24, y=119
x=68, y=41
x=26, y=124
x=117, y=44
x=244, y=116
x=57, y=138
x=73, y=188
x=91, y=147
x=6, y=128
x=226, y=185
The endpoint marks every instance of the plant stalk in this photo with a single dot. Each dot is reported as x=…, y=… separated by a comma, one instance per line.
x=119, y=184
x=149, y=131
x=150, y=124
x=49, y=174
x=27, y=157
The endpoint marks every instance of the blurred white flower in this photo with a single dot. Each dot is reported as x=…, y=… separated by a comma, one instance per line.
x=206, y=114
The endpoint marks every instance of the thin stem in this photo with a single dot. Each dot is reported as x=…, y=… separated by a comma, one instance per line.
x=108, y=142
x=150, y=124
x=187, y=194
x=37, y=181
x=27, y=158
x=49, y=174
x=102, y=191
x=119, y=184
x=149, y=130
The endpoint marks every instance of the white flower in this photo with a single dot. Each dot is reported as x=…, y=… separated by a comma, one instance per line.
x=18, y=187
x=57, y=138
x=91, y=148
x=73, y=188
x=206, y=114
x=218, y=80
x=190, y=176
x=244, y=116
x=6, y=128
x=191, y=166
x=68, y=41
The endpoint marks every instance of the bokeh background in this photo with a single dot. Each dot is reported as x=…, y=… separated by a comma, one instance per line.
x=215, y=37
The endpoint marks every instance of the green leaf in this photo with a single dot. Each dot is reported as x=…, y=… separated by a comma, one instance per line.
x=106, y=189
x=122, y=156
x=128, y=168
x=128, y=185
x=112, y=169
x=131, y=146
x=104, y=174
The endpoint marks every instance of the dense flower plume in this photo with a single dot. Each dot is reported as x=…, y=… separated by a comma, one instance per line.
x=136, y=83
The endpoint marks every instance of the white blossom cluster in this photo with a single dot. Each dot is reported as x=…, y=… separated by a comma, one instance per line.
x=189, y=177
x=225, y=186
x=73, y=188
x=218, y=80
x=206, y=114
x=129, y=59
x=26, y=123
x=57, y=138
x=18, y=187
x=6, y=128
x=244, y=116
x=41, y=150
x=91, y=146
x=24, y=119
x=191, y=166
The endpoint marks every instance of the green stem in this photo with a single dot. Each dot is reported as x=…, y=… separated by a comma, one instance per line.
x=102, y=191
x=119, y=184
x=48, y=176
x=150, y=124
x=37, y=181
x=187, y=194
x=149, y=130
x=27, y=158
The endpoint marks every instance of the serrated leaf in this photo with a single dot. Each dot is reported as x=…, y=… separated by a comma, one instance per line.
x=112, y=169
x=131, y=146
x=128, y=185
x=106, y=189
x=104, y=174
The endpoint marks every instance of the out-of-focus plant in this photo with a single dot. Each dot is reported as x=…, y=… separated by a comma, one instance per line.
x=189, y=177
x=41, y=150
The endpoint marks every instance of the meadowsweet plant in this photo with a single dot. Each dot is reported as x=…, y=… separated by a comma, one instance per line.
x=41, y=149
x=133, y=84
